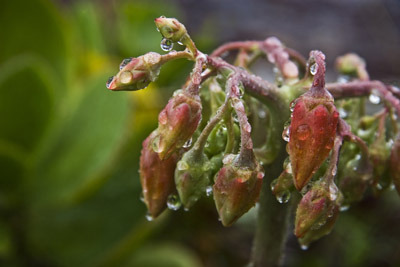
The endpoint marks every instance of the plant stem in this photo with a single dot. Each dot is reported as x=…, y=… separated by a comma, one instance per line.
x=272, y=222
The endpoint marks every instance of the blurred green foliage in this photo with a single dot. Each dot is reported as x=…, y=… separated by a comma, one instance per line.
x=69, y=149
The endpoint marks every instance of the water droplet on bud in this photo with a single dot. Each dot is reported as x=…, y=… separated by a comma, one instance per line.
x=125, y=62
x=209, y=190
x=286, y=134
x=374, y=99
x=109, y=81
x=149, y=217
x=273, y=184
x=188, y=143
x=166, y=45
x=313, y=69
x=173, y=202
x=262, y=114
x=303, y=132
x=141, y=197
x=304, y=247
x=344, y=208
x=156, y=145
x=283, y=197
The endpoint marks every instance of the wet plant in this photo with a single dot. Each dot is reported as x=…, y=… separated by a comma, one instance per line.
x=318, y=150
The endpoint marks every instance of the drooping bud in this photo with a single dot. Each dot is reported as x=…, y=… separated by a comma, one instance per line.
x=170, y=28
x=136, y=73
x=313, y=127
x=156, y=177
x=192, y=176
x=176, y=123
x=395, y=164
x=237, y=188
x=352, y=64
x=317, y=212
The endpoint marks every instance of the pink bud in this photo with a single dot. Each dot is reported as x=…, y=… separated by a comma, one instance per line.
x=236, y=189
x=176, y=123
x=156, y=177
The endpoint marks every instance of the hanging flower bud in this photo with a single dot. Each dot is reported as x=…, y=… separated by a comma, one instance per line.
x=156, y=177
x=192, y=176
x=170, y=28
x=136, y=73
x=176, y=123
x=316, y=212
x=313, y=126
x=237, y=188
x=394, y=164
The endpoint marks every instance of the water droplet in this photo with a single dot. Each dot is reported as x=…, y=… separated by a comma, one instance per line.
x=289, y=168
x=186, y=209
x=313, y=69
x=303, y=132
x=262, y=114
x=162, y=118
x=173, y=202
x=343, y=79
x=343, y=113
x=273, y=184
x=188, y=143
x=333, y=191
x=126, y=77
x=125, y=62
x=209, y=190
x=156, y=145
x=109, y=81
x=374, y=99
x=166, y=45
x=304, y=247
x=286, y=134
x=149, y=217
x=260, y=175
x=228, y=159
x=392, y=187
x=334, y=170
x=344, y=208
x=283, y=197
x=182, y=165
x=293, y=104
x=141, y=197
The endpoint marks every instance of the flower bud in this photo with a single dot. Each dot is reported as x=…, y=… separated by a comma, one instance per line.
x=394, y=164
x=156, y=177
x=316, y=212
x=136, y=73
x=312, y=129
x=237, y=188
x=192, y=176
x=176, y=123
x=170, y=28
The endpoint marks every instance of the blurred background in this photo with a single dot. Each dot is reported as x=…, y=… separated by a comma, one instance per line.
x=69, y=148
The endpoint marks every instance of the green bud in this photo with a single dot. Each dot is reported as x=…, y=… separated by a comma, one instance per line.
x=170, y=28
x=192, y=176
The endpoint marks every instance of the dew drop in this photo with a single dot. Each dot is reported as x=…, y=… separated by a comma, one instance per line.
x=109, y=81
x=173, y=202
x=313, y=69
x=209, y=190
x=283, y=197
x=166, y=45
x=334, y=170
x=262, y=114
x=228, y=159
x=182, y=165
x=343, y=113
x=125, y=62
x=292, y=105
x=157, y=147
x=374, y=99
x=286, y=134
x=149, y=217
x=289, y=168
x=304, y=247
x=186, y=209
x=303, y=132
x=333, y=191
x=260, y=175
x=126, y=77
x=188, y=143
x=344, y=208
x=273, y=184
x=141, y=197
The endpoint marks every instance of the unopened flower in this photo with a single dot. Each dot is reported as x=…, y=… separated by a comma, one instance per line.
x=156, y=177
x=237, y=188
x=170, y=28
x=192, y=176
x=317, y=212
x=313, y=127
x=176, y=123
x=136, y=73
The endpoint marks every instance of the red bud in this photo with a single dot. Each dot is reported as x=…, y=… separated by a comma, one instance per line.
x=156, y=177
